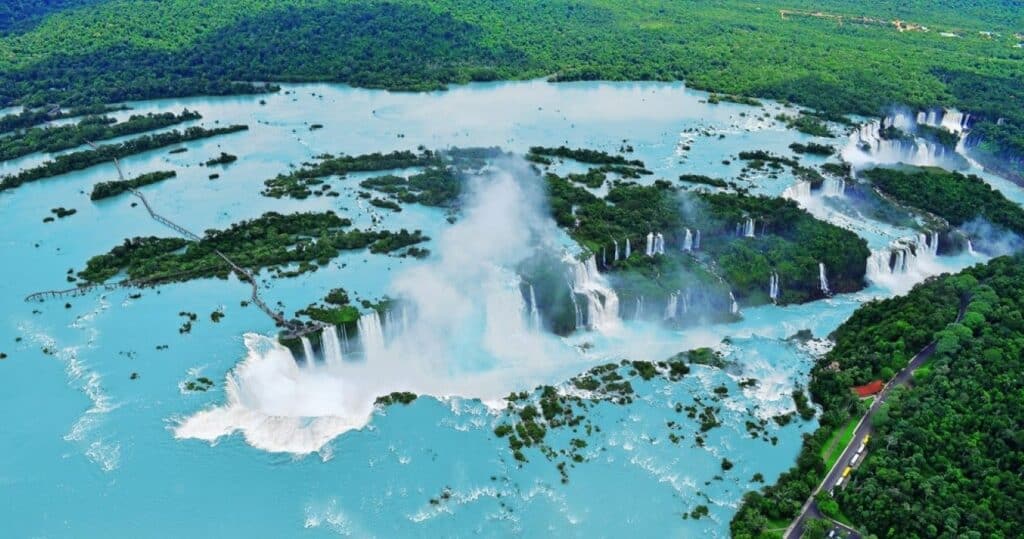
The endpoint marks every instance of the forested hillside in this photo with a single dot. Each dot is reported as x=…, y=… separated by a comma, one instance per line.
x=950, y=449
x=944, y=457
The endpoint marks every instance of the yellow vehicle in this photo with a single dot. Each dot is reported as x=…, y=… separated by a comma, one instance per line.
x=867, y=438
x=847, y=471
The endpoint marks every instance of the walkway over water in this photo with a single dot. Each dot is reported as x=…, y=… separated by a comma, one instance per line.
x=293, y=330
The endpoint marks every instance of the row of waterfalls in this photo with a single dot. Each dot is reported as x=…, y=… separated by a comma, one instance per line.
x=897, y=138
x=595, y=307
x=903, y=257
x=654, y=245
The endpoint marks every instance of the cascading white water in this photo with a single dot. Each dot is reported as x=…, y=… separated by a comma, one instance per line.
x=868, y=144
x=833, y=187
x=602, y=301
x=672, y=306
x=307, y=349
x=686, y=301
x=628, y=249
x=659, y=244
x=748, y=228
x=696, y=240
x=688, y=241
x=649, y=247
x=331, y=345
x=970, y=247
x=928, y=245
x=604, y=257
x=800, y=190
x=823, y=279
x=639, y=311
x=616, y=250
x=371, y=335
x=534, y=311
x=389, y=323
x=951, y=120
x=773, y=287
x=578, y=321
x=735, y=307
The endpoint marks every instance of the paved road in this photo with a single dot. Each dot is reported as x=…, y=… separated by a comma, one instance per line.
x=864, y=427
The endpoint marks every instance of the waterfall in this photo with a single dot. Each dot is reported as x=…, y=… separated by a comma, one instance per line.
x=970, y=247
x=628, y=250
x=928, y=245
x=405, y=319
x=735, y=307
x=534, y=311
x=331, y=345
x=659, y=244
x=604, y=257
x=696, y=240
x=869, y=144
x=616, y=250
x=773, y=287
x=371, y=335
x=898, y=259
x=576, y=308
x=389, y=323
x=688, y=241
x=833, y=187
x=307, y=349
x=672, y=306
x=602, y=301
x=823, y=279
x=748, y=228
x=639, y=308
x=344, y=338
x=951, y=120
x=686, y=301
x=800, y=190
x=649, y=248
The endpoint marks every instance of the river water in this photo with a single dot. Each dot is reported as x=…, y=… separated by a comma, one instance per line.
x=88, y=450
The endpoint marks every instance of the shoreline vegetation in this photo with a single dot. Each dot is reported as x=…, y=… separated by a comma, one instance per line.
x=30, y=117
x=875, y=343
x=88, y=129
x=107, y=152
x=735, y=52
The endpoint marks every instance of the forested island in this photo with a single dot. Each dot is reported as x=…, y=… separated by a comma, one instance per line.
x=87, y=158
x=113, y=188
x=303, y=240
x=952, y=196
x=745, y=242
x=88, y=129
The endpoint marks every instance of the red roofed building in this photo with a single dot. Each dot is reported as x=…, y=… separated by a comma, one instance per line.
x=868, y=389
